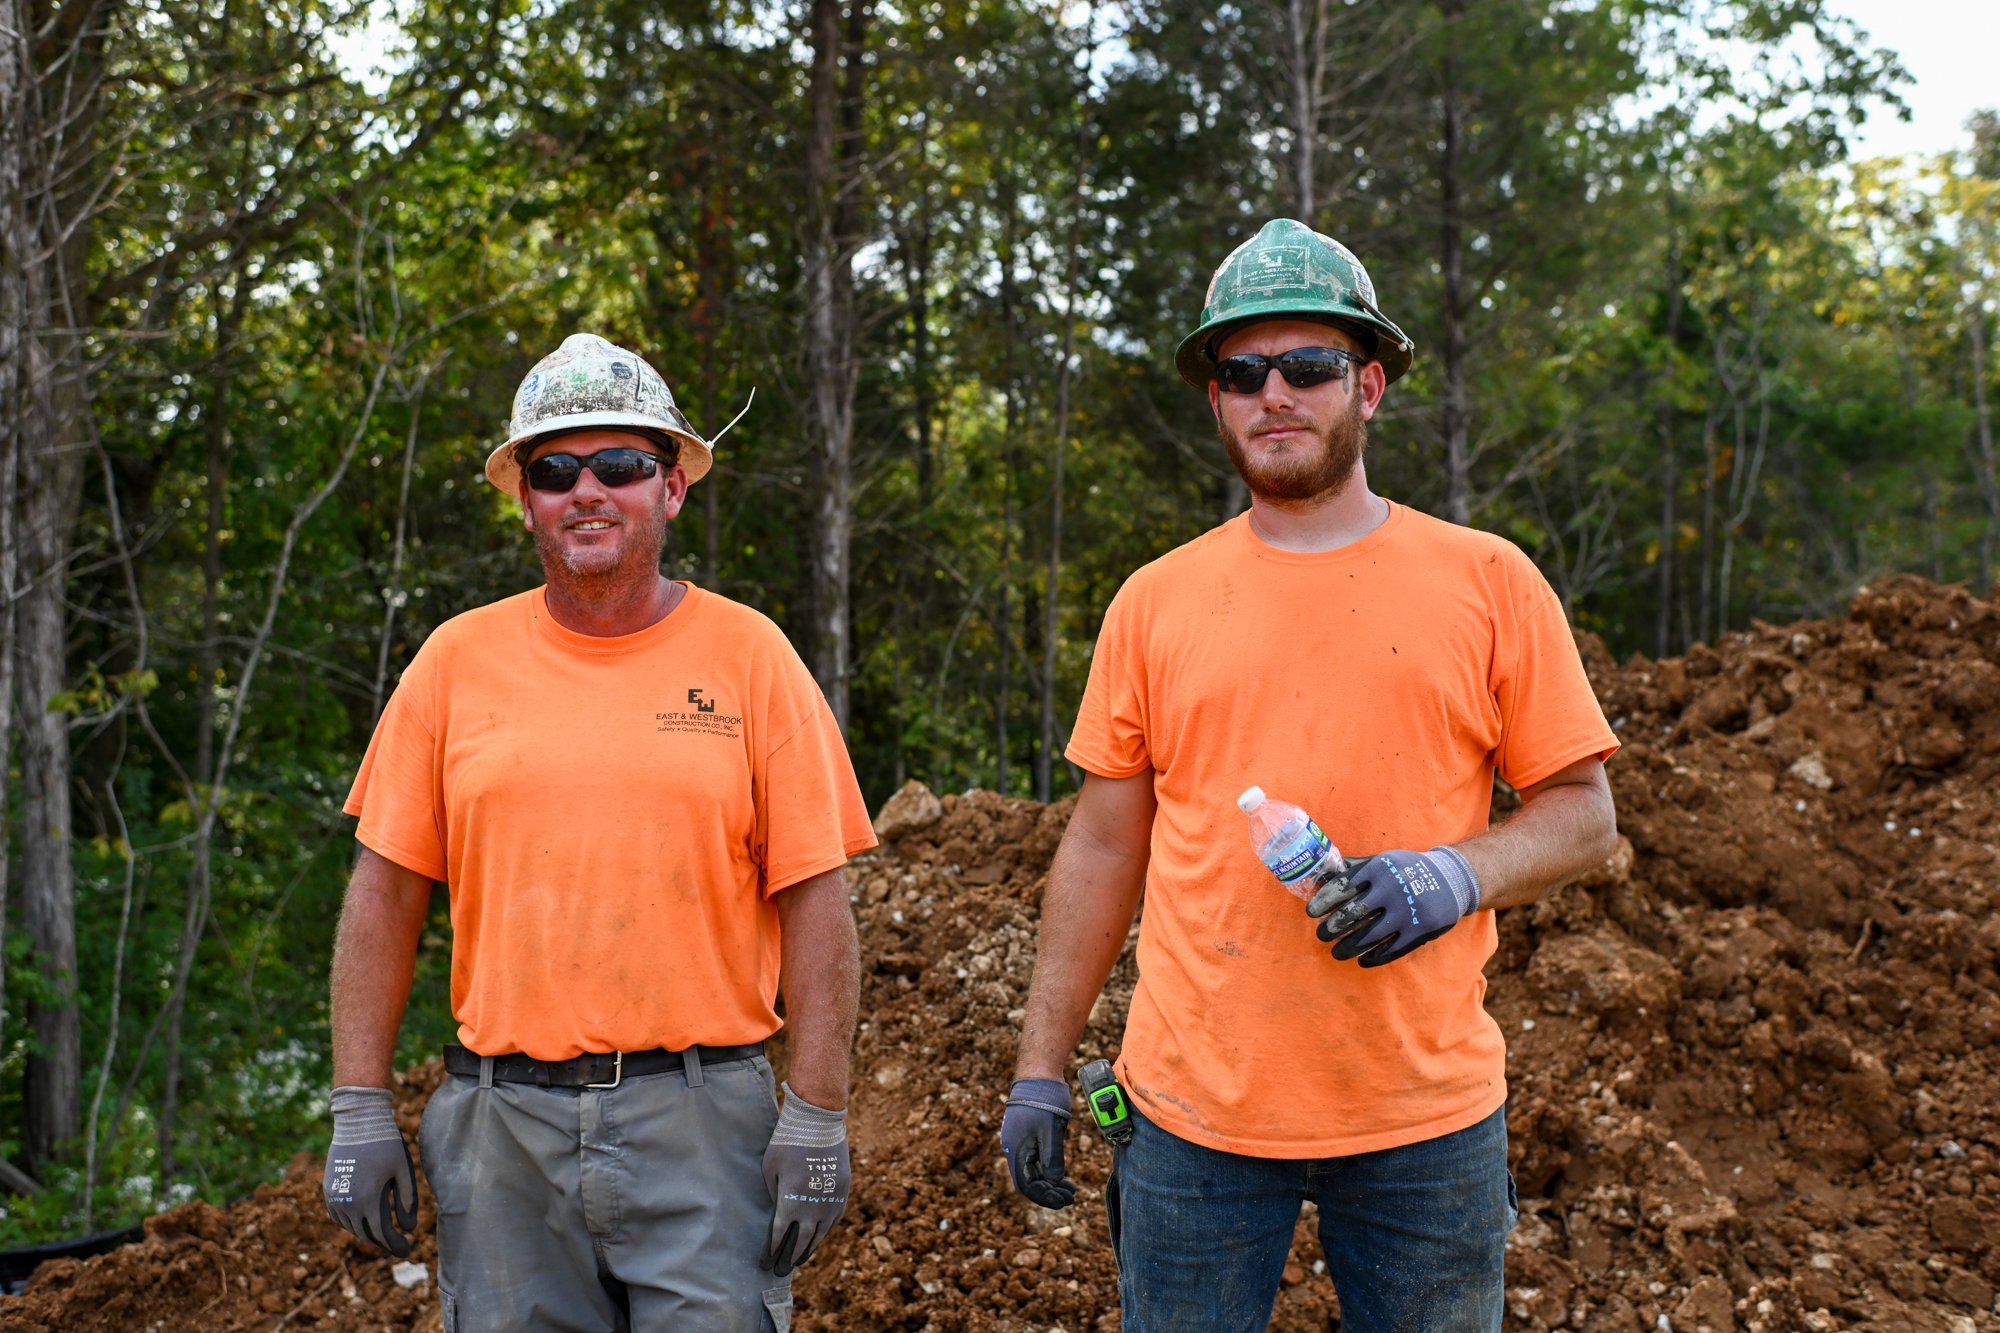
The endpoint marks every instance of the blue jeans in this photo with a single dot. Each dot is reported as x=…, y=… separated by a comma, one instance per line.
x=1415, y=1237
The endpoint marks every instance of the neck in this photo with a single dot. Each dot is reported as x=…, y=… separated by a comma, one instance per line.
x=613, y=607
x=1324, y=523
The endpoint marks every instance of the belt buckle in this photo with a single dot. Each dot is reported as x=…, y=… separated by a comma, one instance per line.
x=617, y=1073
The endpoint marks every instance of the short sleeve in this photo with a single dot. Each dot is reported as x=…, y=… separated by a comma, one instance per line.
x=1110, y=735
x=1549, y=715
x=397, y=792
x=810, y=815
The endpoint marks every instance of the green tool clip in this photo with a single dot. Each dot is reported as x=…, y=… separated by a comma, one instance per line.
x=1106, y=1101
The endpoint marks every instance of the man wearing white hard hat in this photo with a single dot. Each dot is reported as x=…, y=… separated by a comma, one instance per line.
x=642, y=806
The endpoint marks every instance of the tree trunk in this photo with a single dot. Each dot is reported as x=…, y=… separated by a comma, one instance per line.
x=1670, y=474
x=832, y=151
x=50, y=483
x=1045, y=754
x=713, y=280
x=13, y=317
x=57, y=430
x=1981, y=446
x=1305, y=115
x=1456, y=397
x=1003, y=616
x=208, y=660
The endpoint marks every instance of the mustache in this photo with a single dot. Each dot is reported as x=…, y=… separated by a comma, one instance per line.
x=1269, y=424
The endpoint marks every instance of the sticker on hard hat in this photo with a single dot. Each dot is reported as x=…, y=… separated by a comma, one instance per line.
x=531, y=389
x=1276, y=269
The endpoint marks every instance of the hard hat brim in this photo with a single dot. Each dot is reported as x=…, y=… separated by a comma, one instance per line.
x=505, y=473
x=1392, y=347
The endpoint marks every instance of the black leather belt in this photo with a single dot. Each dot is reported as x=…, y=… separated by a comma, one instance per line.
x=592, y=1069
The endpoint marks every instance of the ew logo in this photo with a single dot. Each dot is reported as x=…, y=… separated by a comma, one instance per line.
x=701, y=705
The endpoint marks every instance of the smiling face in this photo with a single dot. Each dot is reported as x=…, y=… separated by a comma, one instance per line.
x=595, y=540
x=1294, y=444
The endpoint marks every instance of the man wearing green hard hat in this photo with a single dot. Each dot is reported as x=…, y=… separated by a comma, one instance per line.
x=1378, y=668
x=641, y=805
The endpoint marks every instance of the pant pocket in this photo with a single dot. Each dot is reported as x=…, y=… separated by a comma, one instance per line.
x=1513, y=1202
x=448, y=1310
x=778, y=1305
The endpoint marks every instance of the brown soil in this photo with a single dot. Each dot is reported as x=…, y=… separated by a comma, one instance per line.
x=1755, y=1067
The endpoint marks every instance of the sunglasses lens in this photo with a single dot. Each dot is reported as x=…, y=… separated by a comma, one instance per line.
x=554, y=472
x=1304, y=367
x=1242, y=374
x=622, y=467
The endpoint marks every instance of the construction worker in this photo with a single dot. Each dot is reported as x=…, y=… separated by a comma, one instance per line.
x=1377, y=667
x=642, y=806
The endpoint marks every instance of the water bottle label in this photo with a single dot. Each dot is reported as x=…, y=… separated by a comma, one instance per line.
x=1306, y=853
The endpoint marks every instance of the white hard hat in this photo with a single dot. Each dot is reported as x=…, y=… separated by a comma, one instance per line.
x=590, y=382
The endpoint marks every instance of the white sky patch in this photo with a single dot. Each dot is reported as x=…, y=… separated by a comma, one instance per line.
x=372, y=51
x=1948, y=46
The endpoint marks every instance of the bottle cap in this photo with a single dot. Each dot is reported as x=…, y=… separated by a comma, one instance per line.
x=1250, y=800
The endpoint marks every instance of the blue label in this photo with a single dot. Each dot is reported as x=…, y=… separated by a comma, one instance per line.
x=1307, y=850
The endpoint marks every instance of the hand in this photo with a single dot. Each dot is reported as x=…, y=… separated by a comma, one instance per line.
x=807, y=1170
x=1031, y=1134
x=1394, y=902
x=370, y=1186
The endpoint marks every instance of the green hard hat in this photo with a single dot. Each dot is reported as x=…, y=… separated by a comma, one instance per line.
x=1290, y=271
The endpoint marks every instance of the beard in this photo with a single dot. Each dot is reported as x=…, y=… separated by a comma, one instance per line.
x=597, y=572
x=1300, y=472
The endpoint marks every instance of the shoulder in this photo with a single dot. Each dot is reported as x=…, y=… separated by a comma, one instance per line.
x=477, y=630
x=1485, y=558
x=1182, y=565
x=742, y=625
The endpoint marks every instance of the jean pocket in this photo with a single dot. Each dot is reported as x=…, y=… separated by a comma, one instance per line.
x=778, y=1305
x=1513, y=1202
x=448, y=1310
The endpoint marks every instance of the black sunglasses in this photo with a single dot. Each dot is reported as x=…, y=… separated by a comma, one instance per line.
x=558, y=473
x=1302, y=367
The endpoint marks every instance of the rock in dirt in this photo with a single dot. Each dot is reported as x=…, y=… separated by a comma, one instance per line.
x=911, y=810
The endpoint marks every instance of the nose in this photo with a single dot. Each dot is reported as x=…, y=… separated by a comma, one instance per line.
x=588, y=488
x=1277, y=393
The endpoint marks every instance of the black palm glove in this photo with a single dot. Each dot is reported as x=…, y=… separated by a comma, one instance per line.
x=1031, y=1134
x=370, y=1186
x=807, y=1169
x=1390, y=904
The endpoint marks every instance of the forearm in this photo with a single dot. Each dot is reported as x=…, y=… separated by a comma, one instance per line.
x=374, y=959
x=822, y=985
x=1564, y=828
x=1087, y=910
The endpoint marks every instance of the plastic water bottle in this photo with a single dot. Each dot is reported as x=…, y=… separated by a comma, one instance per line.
x=1289, y=843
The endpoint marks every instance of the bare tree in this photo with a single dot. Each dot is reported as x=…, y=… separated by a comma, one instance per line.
x=832, y=224
x=13, y=309
x=62, y=179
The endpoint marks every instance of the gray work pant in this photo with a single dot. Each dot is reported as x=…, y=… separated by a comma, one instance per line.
x=606, y=1210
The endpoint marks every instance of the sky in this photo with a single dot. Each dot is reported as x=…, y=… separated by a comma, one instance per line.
x=1949, y=46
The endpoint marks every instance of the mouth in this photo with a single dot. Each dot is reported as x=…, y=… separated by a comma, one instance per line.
x=592, y=525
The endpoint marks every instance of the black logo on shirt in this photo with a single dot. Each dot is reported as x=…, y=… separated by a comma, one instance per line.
x=699, y=718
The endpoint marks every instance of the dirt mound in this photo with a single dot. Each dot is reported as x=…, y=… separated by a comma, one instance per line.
x=1754, y=1056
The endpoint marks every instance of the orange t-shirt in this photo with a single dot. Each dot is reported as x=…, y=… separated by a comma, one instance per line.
x=1378, y=687
x=613, y=816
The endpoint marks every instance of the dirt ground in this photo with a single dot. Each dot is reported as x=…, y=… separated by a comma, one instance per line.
x=1754, y=1057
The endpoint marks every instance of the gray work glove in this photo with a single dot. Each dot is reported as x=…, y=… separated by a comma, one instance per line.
x=1031, y=1134
x=370, y=1185
x=1392, y=903
x=807, y=1171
